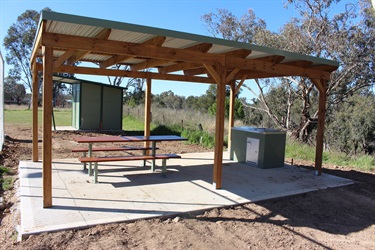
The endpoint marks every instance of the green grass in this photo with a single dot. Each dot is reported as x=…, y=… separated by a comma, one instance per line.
x=63, y=117
x=297, y=150
x=131, y=123
x=7, y=182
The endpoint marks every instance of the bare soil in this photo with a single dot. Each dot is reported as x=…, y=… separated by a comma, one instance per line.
x=337, y=218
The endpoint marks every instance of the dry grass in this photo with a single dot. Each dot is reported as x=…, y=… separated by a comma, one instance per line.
x=188, y=119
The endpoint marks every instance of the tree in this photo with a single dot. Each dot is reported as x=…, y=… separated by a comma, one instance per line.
x=339, y=37
x=348, y=37
x=13, y=91
x=352, y=128
x=239, y=112
x=19, y=44
x=168, y=99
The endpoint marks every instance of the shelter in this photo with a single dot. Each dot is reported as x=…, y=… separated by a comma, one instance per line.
x=96, y=106
x=62, y=40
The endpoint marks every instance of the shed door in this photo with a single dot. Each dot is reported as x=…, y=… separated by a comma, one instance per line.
x=252, y=150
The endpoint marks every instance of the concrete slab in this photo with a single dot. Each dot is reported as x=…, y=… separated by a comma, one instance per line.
x=65, y=128
x=129, y=192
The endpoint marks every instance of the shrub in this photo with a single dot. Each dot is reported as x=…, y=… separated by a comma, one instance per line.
x=199, y=137
x=7, y=183
x=166, y=130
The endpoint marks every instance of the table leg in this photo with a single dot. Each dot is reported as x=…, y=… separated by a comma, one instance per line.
x=96, y=172
x=90, y=155
x=164, y=169
x=84, y=164
x=153, y=152
x=144, y=161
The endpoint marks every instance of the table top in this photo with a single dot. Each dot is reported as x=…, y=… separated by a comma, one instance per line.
x=141, y=138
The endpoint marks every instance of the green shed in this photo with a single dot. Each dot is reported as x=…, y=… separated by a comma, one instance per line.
x=95, y=106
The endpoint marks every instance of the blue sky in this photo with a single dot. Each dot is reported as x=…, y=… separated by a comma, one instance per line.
x=177, y=15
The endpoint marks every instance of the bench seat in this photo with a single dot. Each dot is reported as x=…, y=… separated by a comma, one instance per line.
x=122, y=148
x=96, y=160
x=84, y=150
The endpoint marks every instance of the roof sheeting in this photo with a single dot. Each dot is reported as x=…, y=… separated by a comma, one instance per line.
x=68, y=26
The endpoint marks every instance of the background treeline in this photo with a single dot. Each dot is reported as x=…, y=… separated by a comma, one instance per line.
x=350, y=128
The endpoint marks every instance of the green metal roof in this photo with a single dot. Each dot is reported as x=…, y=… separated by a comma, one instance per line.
x=126, y=32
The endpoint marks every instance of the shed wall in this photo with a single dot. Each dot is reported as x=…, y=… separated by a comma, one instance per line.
x=96, y=107
x=90, y=107
x=112, y=109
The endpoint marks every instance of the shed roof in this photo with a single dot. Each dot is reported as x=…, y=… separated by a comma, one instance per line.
x=73, y=80
x=107, y=43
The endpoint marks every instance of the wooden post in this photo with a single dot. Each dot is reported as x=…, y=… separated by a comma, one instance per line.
x=34, y=100
x=231, y=111
x=320, y=132
x=47, y=126
x=219, y=129
x=147, y=110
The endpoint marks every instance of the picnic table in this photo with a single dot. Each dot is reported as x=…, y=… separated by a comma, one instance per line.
x=90, y=140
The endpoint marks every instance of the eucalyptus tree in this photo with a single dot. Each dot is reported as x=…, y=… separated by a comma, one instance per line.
x=13, y=91
x=352, y=128
x=347, y=36
x=19, y=44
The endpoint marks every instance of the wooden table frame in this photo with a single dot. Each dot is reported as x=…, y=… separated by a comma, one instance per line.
x=127, y=139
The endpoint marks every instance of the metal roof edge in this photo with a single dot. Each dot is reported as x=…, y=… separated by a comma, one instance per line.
x=62, y=78
x=56, y=16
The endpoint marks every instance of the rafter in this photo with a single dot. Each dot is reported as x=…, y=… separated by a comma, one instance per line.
x=77, y=55
x=242, y=53
x=114, y=60
x=251, y=74
x=61, y=60
x=202, y=47
x=196, y=71
x=37, y=43
x=155, y=41
x=124, y=48
x=148, y=64
x=179, y=66
x=300, y=63
x=271, y=59
x=327, y=68
x=132, y=74
x=186, y=66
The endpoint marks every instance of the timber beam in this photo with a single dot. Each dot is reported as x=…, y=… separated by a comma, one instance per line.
x=202, y=47
x=173, y=54
x=155, y=41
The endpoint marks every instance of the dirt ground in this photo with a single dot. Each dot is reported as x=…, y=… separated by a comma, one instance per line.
x=337, y=218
